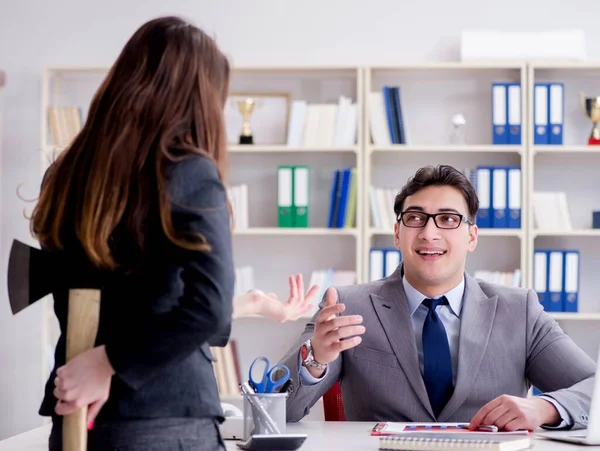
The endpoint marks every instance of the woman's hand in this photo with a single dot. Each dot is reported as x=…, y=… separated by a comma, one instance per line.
x=256, y=302
x=83, y=382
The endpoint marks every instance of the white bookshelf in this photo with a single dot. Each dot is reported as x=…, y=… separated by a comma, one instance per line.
x=272, y=251
x=573, y=168
x=431, y=94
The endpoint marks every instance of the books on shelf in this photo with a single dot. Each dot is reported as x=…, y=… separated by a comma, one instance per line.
x=293, y=195
x=556, y=279
x=238, y=197
x=499, y=189
x=381, y=201
x=343, y=198
x=227, y=368
x=506, y=113
x=323, y=124
x=65, y=123
x=551, y=211
x=383, y=261
x=548, y=113
x=386, y=119
x=511, y=279
x=244, y=279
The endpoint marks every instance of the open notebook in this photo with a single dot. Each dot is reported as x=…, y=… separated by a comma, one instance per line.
x=433, y=441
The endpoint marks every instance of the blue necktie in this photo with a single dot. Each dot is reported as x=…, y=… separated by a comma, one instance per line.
x=436, y=357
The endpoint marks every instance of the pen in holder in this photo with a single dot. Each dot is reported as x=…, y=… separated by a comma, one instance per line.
x=264, y=413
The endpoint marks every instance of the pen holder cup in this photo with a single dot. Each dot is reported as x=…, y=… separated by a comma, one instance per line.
x=264, y=414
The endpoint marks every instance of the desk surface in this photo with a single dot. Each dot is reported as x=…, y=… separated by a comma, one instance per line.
x=333, y=436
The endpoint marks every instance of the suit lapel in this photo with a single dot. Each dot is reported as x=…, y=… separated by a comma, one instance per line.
x=477, y=318
x=391, y=307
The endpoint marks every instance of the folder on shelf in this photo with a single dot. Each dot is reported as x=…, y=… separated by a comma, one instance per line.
x=556, y=114
x=376, y=264
x=398, y=115
x=285, y=190
x=295, y=135
x=540, y=277
x=352, y=198
x=390, y=114
x=333, y=203
x=571, y=281
x=483, y=178
x=392, y=260
x=301, y=182
x=499, y=198
x=383, y=261
x=342, y=197
x=540, y=114
x=555, y=280
x=380, y=133
x=499, y=113
x=514, y=113
x=514, y=197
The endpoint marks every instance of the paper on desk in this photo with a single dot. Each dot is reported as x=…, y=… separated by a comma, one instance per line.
x=392, y=428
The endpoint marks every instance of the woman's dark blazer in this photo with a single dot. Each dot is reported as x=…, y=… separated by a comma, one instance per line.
x=157, y=322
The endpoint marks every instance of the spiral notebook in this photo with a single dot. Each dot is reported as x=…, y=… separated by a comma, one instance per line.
x=431, y=441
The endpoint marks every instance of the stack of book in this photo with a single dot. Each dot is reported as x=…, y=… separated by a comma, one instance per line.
x=322, y=125
x=342, y=206
x=556, y=279
x=227, y=369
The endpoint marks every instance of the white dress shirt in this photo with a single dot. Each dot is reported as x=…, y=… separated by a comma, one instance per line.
x=450, y=317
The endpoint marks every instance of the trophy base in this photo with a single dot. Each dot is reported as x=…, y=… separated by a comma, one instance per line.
x=246, y=139
x=593, y=141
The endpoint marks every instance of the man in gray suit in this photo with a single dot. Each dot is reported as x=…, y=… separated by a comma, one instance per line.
x=430, y=343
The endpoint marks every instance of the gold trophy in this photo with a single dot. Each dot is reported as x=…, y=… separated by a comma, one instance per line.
x=246, y=107
x=591, y=106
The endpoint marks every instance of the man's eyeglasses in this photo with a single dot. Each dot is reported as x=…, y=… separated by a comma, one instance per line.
x=418, y=219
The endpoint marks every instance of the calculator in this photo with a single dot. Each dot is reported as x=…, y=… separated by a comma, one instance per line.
x=283, y=442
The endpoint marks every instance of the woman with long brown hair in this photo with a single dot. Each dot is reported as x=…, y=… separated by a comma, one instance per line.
x=137, y=206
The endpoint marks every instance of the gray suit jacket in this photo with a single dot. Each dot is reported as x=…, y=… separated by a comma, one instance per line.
x=507, y=342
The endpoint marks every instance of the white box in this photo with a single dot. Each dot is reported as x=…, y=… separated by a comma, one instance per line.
x=481, y=45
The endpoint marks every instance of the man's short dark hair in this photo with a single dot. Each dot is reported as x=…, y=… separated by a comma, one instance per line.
x=440, y=175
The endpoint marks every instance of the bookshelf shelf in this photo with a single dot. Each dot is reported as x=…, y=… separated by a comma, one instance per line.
x=449, y=148
x=565, y=149
x=450, y=66
x=580, y=316
x=482, y=232
x=286, y=149
x=567, y=233
x=296, y=231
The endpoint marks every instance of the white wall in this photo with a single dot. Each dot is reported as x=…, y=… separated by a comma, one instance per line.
x=36, y=33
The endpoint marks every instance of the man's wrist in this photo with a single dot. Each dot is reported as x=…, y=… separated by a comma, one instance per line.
x=314, y=372
x=313, y=366
x=549, y=415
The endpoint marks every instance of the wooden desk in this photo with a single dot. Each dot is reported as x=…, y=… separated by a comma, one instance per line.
x=331, y=436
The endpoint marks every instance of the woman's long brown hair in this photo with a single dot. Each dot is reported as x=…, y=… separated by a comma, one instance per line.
x=162, y=100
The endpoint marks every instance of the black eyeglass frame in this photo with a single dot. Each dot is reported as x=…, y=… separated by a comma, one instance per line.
x=462, y=217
